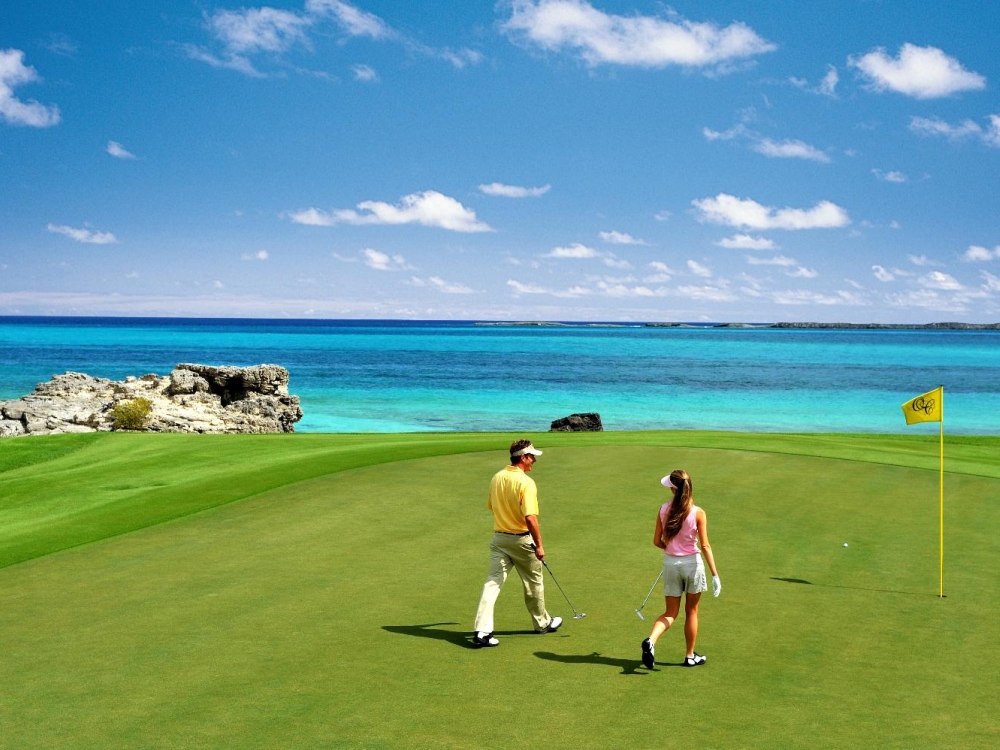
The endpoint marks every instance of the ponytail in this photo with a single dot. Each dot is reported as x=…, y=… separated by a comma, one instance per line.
x=680, y=506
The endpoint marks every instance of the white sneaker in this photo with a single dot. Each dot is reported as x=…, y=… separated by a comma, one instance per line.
x=484, y=640
x=554, y=624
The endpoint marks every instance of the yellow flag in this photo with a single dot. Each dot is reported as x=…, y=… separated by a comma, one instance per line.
x=925, y=408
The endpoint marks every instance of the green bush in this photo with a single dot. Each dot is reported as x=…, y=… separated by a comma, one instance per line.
x=132, y=415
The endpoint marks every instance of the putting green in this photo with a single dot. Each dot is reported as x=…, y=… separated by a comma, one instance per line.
x=330, y=606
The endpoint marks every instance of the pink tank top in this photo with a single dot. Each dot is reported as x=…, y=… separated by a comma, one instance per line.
x=686, y=540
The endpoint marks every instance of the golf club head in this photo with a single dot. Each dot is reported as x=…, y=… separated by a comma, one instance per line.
x=640, y=615
x=579, y=616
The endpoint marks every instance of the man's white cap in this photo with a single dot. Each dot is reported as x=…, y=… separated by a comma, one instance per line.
x=667, y=483
x=529, y=448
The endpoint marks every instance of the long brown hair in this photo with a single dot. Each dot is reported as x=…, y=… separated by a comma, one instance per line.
x=681, y=505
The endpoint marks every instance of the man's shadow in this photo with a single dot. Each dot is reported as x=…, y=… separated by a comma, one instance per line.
x=461, y=639
x=627, y=666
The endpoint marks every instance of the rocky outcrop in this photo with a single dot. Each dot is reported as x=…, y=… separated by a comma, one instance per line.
x=587, y=422
x=192, y=398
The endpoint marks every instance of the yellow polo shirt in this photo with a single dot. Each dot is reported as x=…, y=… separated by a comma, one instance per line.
x=512, y=496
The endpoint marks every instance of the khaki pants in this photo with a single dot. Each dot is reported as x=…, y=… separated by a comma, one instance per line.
x=508, y=551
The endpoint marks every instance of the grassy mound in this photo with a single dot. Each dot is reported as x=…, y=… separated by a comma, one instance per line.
x=330, y=606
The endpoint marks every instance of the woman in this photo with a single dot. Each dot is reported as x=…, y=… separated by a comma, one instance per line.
x=680, y=525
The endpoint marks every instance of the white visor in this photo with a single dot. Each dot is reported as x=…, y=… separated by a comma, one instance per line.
x=527, y=449
x=667, y=483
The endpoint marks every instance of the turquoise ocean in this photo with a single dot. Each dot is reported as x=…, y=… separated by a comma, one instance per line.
x=403, y=376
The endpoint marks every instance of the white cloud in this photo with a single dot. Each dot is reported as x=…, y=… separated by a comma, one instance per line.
x=787, y=149
x=790, y=149
x=977, y=253
x=708, y=293
x=882, y=274
x=445, y=287
x=934, y=126
x=364, y=73
x=83, y=235
x=662, y=273
x=803, y=273
x=698, y=269
x=429, y=208
x=620, y=238
x=13, y=73
x=352, y=20
x=992, y=283
x=826, y=87
x=383, y=262
x=571, y=292
x=724, y=135
x=920, y=72
x=643, y=41
x=920, y=260
x=118, y=151
x=736, y=212
x=803, y=297
x=311, y=217
x=239, y=63
x=612, y=262
x=746, y=242
x=617, y=289
x=520, y=288
x=777, y=260
x=218, y=284
x=259, y=255
x=662, y=215
x=254, y=31
x=251, y=30
x=897, y=177
x=513, y=191
x=576, y=250
x=939, y=280
x=344, y=258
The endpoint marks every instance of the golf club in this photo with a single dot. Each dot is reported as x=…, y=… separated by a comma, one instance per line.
x=639, y=611
x=576, y=615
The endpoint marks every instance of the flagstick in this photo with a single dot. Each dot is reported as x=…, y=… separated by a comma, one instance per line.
x=941, y=494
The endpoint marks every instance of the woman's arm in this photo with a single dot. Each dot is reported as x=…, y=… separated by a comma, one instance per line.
x=658, y=534
x=706, y=548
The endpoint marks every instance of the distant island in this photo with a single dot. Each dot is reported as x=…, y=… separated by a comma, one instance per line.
x=805, y=326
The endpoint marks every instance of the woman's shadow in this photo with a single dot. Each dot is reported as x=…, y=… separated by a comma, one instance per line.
x=627, y=666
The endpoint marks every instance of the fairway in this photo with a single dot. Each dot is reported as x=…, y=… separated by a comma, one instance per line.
x=318, y=591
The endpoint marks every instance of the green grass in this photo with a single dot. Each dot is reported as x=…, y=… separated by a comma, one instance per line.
x=317, y=590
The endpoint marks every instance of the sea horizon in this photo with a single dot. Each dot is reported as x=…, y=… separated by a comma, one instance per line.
x=406, y=375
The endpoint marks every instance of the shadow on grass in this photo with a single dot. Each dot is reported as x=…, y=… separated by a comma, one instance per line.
x=855, y=588
x=431, y=630
x=627, y=666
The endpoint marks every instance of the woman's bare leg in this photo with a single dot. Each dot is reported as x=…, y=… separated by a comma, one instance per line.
x=690, y=621
x=664, y=621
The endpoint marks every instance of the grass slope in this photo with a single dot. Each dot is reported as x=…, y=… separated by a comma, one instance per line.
x=330, y=607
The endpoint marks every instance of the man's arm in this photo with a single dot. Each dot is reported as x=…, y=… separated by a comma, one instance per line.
x=536, y=535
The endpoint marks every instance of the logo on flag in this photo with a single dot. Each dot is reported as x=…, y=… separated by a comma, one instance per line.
x=926, y=407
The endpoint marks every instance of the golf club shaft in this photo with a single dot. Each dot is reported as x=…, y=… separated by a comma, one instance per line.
x=658, y=576
x=559, y=587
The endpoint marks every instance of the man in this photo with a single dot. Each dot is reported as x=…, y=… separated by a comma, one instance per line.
x=516, y=543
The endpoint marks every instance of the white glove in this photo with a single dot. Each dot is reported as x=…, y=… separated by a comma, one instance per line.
x=716, y=585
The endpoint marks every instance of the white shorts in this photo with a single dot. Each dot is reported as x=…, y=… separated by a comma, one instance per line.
x=682, y=574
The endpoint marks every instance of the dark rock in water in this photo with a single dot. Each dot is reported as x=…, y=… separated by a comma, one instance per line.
x=588, y=422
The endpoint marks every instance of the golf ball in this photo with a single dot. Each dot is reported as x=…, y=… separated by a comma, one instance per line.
x=845, y=544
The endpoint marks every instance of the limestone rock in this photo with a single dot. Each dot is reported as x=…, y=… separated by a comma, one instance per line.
x=586, y=422
x=192, y=398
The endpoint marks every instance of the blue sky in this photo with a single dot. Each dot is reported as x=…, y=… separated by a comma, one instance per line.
x=529, y=160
